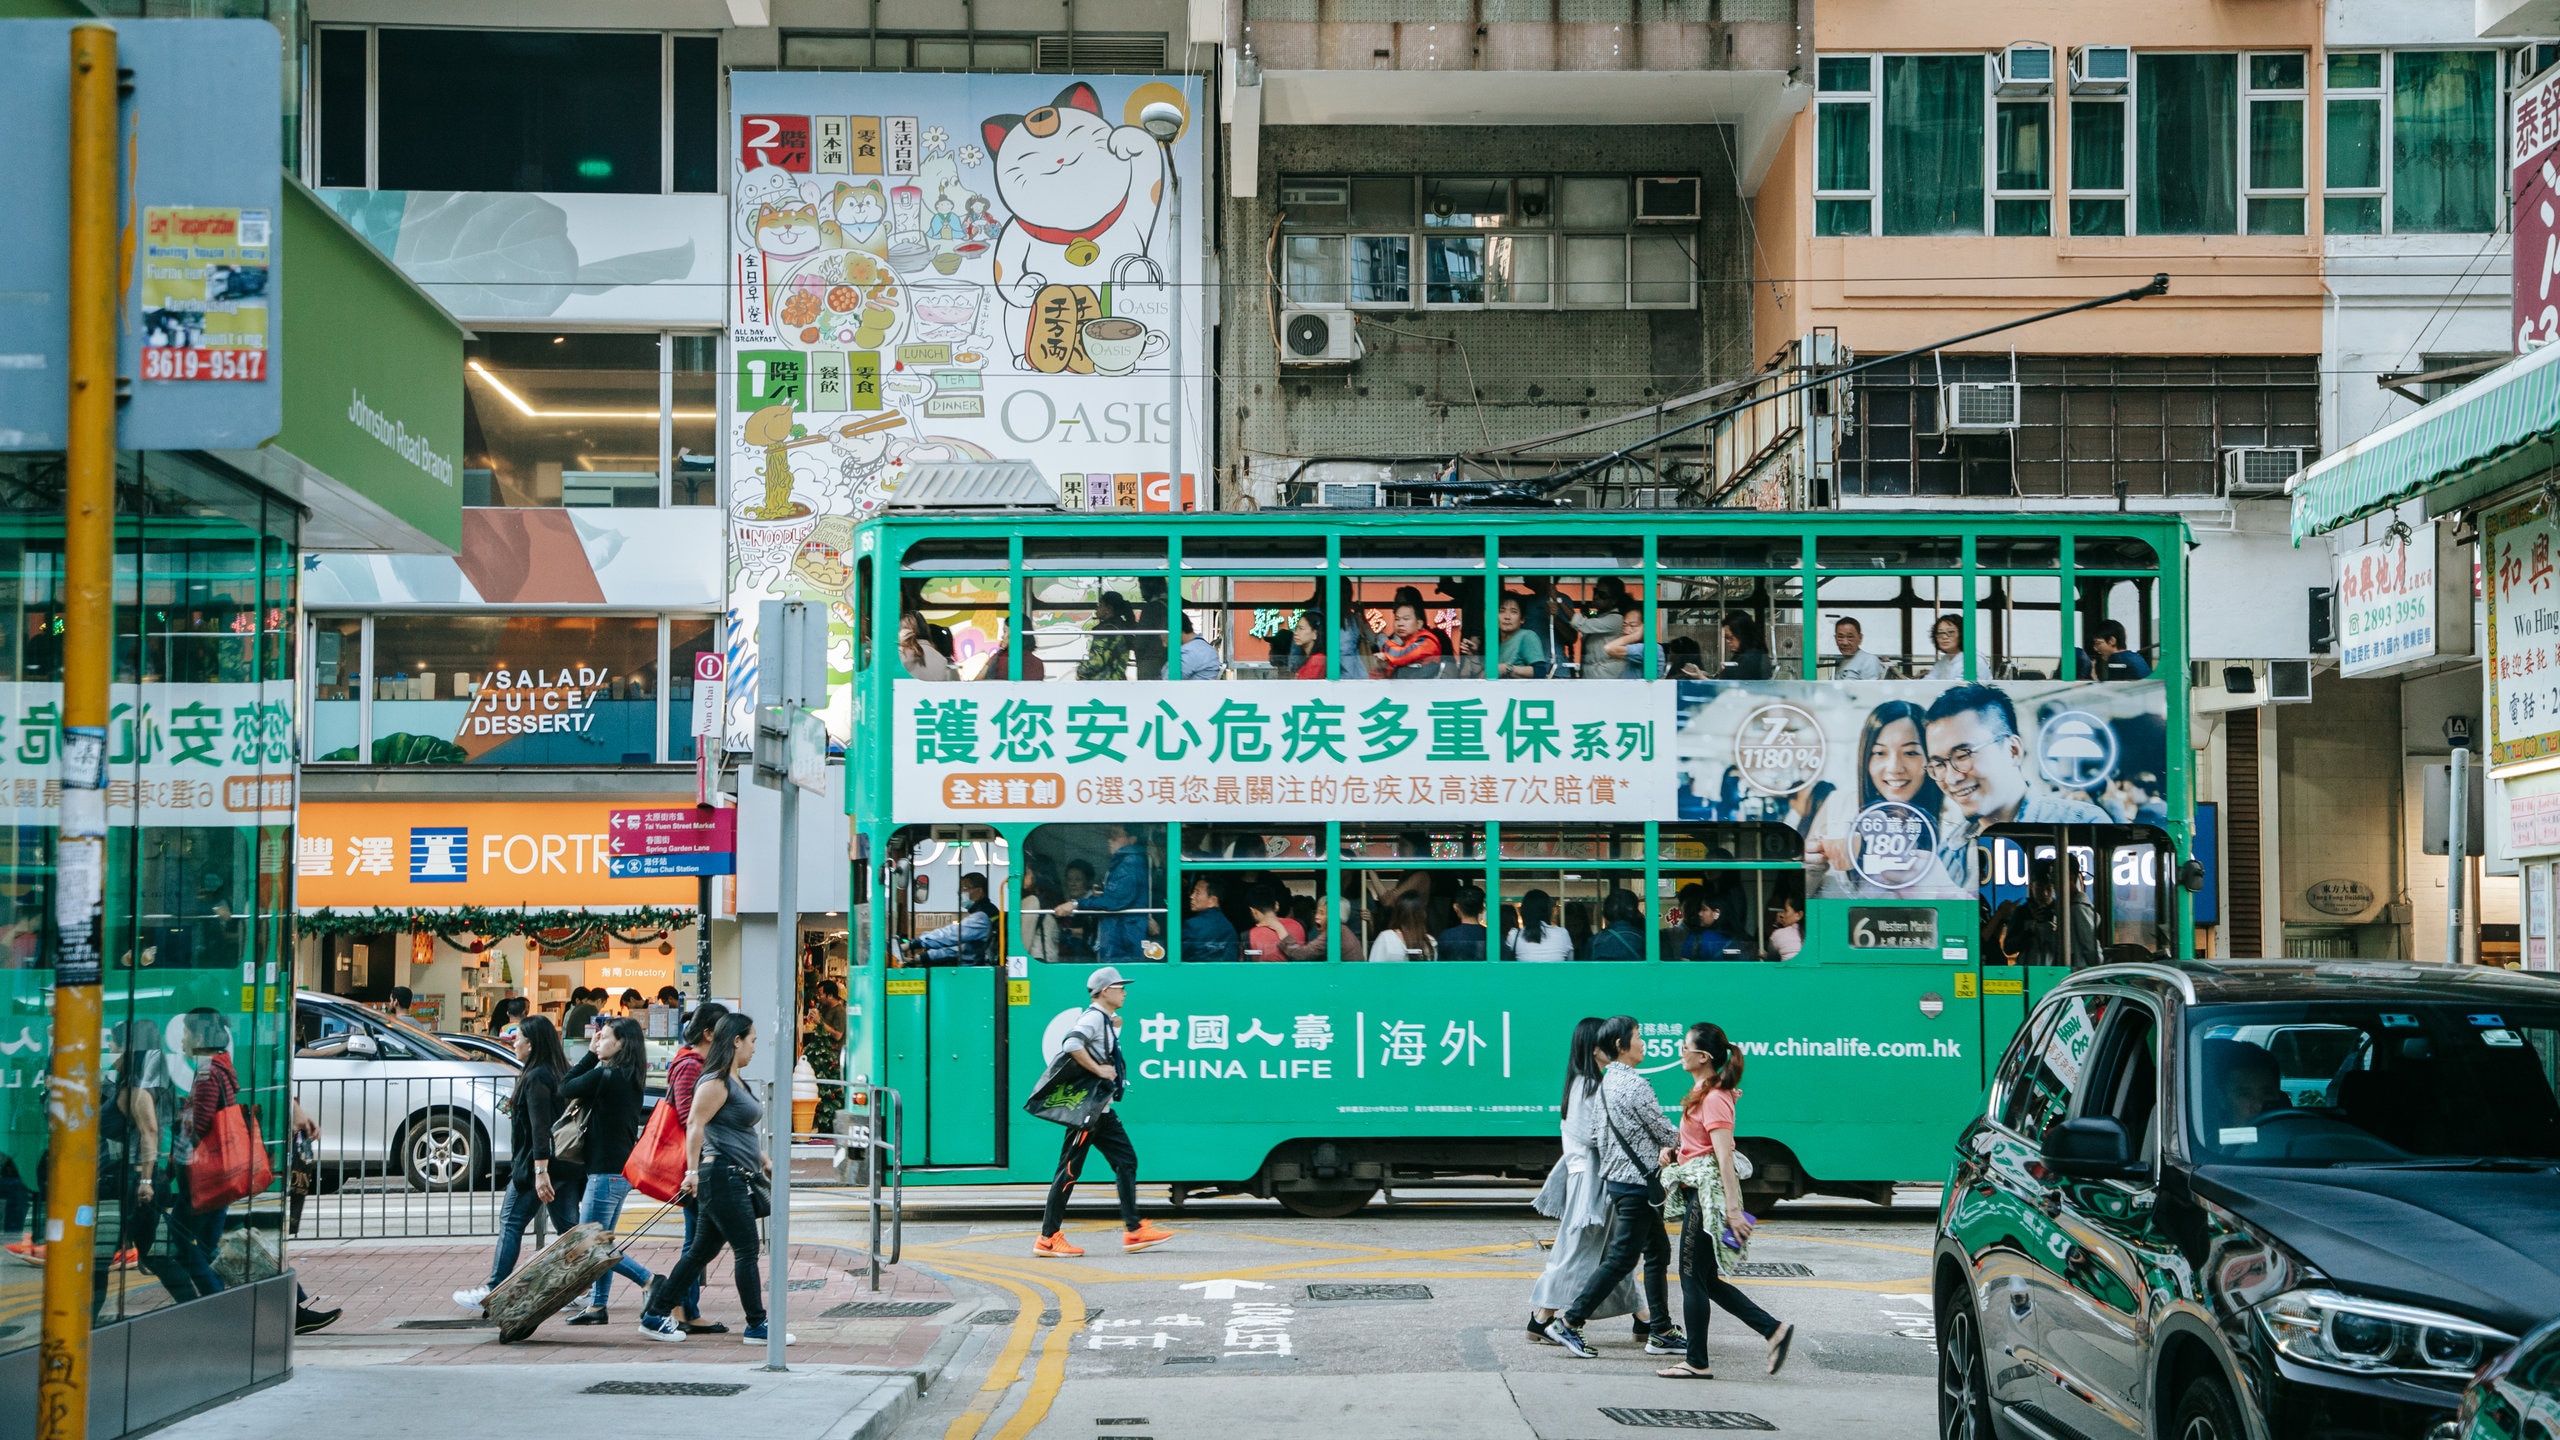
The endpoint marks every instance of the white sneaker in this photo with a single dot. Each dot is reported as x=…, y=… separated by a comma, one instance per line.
x=474, y=1299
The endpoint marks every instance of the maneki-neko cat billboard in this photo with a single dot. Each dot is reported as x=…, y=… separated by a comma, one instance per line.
x=928, y=269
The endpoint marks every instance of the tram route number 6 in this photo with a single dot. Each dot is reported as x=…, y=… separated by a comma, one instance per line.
x=1892, y=927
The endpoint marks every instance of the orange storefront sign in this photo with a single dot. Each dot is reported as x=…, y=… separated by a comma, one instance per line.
x=543, y=854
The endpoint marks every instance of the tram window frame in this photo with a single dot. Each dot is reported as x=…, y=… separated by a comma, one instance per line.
x=2131, y=600
x=2087, y=844
x=1774, y=602
x=1996, y=615
x=1234, y=622
x=1910, y=617
x=903, y=935
x=1040, y=852
x=1728, y=554
x=995, y=660
x=1372, y=597
x=1143, y=640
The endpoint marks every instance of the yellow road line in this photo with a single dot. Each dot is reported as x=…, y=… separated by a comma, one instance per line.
x=1050, y=1373
x=1008, y=1363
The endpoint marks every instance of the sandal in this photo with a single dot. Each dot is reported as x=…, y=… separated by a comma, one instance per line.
x=1684, y=1371
x=1778, y=1343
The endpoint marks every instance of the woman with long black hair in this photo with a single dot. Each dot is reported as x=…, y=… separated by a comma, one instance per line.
x=1572, y=1196
x=1631, y=1142
x=536, y=1183
x=609, y=1081
x=1538, y=936
x=1706, y=1188
x=724, y=1167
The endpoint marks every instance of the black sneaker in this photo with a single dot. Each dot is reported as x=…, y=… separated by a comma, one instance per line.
x=1666, y=1341
x=592, y=1315
x=1571, y=1339
x=1537, y=1333
x=306, y=1320
x=703, y=1327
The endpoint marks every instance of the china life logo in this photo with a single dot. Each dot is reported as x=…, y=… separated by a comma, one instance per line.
x=439, y=855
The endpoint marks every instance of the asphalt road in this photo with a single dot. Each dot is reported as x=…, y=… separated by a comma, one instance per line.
x=1403, y=1320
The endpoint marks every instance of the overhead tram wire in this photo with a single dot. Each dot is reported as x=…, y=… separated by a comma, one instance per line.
x=1490, y=492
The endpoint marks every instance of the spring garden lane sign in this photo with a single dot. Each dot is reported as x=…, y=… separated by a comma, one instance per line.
x=1315, y=750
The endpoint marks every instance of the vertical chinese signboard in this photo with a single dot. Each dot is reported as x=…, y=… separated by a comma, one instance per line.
x=2536, y=149
x=2524, y=634
x=2403, y=600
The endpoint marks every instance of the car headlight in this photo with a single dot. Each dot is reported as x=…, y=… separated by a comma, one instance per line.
x=2376, y=1337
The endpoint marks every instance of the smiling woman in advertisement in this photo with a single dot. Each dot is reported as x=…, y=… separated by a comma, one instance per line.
x=1893, y=770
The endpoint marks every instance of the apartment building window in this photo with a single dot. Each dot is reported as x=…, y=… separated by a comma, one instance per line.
x=1920, y=145
x=2101, y=194
x=598, y=112
x=615, y=419
x=1484, y=242
x=2186, y=136
x=2276, y=180
x=2156, y=426
x=1081, y=53
x=2412, y=142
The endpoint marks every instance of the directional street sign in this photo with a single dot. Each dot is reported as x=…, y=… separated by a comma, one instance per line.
x=692, y=829
x=710, y=694
x=652, y=867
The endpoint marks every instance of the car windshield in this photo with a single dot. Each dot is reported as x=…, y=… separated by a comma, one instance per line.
x=2380, y=1082
x=424, y=1045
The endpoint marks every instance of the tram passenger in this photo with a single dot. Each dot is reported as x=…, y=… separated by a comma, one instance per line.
x=1856, y=661
x=1406, y=935
x=1746, y=651
x=1523, y=656
x=1271, y=931
x=1200, y=659
x=1604, y=652
x=1147, y=646
x=1632, y=1142
x=1465, y=939
x=1413, y=651
x=1683, y=660
x=1122, y=902
x=1623, y=937
x=1207, y=934
x=966, y=940
x=1946, y=636
x=1306, y=646
x=2029, y=932
x=1538, y=936
x=1786, y=936
x=1106, y=650
x=917, y=652
x=1707, y=1197
x=2116, y=660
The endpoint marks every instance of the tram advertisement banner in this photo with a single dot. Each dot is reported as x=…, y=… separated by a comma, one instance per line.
x=177, y=754
x=1296, y=750
x=938, y=270
x=1890, y=781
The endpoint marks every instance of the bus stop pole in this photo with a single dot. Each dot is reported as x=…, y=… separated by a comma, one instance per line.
x=80, y=859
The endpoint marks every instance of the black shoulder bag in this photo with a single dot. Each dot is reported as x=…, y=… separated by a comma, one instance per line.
x=1071, y=1095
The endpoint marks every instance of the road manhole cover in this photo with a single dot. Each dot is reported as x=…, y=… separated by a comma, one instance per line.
x=1368, y=1292
x=1686, y=1419
x=696, y=1389
x=884, y=1309
x=1770, y=1270
x=446, y=1325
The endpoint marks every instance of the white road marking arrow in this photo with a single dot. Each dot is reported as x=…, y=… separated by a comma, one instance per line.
x=1223, y=1289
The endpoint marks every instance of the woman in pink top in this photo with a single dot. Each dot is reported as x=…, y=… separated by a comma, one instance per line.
x=1710, y=1193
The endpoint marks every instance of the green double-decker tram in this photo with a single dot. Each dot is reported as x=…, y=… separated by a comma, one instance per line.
x=1372, y=806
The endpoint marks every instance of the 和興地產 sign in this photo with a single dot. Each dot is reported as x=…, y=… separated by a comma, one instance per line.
x=2402, y=600
x=2516, y=567
x=1306, y=751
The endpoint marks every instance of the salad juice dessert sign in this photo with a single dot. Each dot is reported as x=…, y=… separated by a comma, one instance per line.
x=941, y=269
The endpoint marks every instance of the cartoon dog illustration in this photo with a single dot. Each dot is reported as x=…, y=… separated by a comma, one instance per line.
x=1083, y=193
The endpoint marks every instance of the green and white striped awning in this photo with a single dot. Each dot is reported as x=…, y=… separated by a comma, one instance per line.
x=2499, y=430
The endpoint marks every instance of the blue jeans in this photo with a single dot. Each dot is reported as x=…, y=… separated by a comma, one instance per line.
x=194, y=1239
x=517, y=1212
x=693, y=1292
x=602, y=1206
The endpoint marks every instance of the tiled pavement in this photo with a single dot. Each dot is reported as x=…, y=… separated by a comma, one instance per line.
x=388, y=1287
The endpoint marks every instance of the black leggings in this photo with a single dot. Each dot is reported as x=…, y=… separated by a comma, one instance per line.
x=726, y=1215
x=1635, y=1232
x=1702, y=1288
x=1105, y=1132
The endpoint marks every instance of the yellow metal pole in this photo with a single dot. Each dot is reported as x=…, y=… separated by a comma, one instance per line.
x=80, y=861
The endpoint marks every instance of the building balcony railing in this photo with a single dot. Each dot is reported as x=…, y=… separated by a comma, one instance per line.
x=1520, y=35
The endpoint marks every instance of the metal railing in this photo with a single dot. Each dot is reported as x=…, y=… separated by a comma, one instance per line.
x=398, y=1156
x=863, y=1152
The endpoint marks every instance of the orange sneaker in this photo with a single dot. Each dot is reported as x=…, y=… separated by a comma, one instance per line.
x=1145, y=1237
x=127, y=1258
x=1055, y=1247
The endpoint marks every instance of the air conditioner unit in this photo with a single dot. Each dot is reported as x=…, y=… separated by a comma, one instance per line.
x=2289, y=682
x=1978, y=407
x=2260, y=470
x=1666, y=200
x=1318, y=337
x=1337, y=495
x=2101, y=69
x=2026, y=68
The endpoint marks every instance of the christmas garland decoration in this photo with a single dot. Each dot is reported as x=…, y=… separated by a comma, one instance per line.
x=551, y=929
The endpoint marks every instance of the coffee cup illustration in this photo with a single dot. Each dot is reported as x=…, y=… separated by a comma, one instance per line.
x=1116, y=343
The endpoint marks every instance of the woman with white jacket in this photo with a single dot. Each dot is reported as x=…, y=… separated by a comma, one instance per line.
x=1572, y=1196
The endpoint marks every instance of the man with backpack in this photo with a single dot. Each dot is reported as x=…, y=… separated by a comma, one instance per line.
x=1094, y=1043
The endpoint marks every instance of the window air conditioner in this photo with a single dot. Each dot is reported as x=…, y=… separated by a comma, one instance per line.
x=1667, y=199
x=2259, y=470
x=2026, y=68
x=2101, y=69
x=1336, y=495
x=1978, y=407
x=1318, y=337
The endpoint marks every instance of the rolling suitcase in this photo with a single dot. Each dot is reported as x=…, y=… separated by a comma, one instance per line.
x=551, y=1279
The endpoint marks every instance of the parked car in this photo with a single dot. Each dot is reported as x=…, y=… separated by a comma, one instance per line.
x=392, y=1099
x=2517, y=1396
x=2259, y=1200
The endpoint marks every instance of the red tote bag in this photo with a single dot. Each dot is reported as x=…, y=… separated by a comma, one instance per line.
x=656, y=1166
x=230, y=1164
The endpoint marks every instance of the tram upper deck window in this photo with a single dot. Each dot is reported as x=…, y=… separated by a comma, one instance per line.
x=1253, y=552
x=1734, y=843
x=1254, y=627
x=2119, y=638
x=1728, y=554
x=1573, y=842
x=1078, y=550
x=1731, y=627
x=954, y=557
x=2113, y=552
x=1888, y=554
x=1249, y=843
x=2021, y=619
x=2017, y=552
x=1441, y=552
x=1097, y=627
x=1412, y=626
x=957, y=627
x=1426, y=840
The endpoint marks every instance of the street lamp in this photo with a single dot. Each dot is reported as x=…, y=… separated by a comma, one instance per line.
x=1163, y=119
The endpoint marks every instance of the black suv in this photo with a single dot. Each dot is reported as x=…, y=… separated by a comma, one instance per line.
x=2259, y=1200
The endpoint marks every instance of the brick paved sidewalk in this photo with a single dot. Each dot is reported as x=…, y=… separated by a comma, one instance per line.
x=398, y=1299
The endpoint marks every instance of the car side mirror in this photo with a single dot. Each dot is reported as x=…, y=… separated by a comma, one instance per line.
x=2191, y=875
x=2093, y=1147
x=361, y=1046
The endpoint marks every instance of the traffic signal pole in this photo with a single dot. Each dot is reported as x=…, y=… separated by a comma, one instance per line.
x=80, y=859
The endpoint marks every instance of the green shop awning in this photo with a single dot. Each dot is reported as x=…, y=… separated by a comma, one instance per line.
x=2497, y=431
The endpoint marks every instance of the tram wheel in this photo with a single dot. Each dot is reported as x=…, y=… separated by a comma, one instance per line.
x=1325, y=1204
